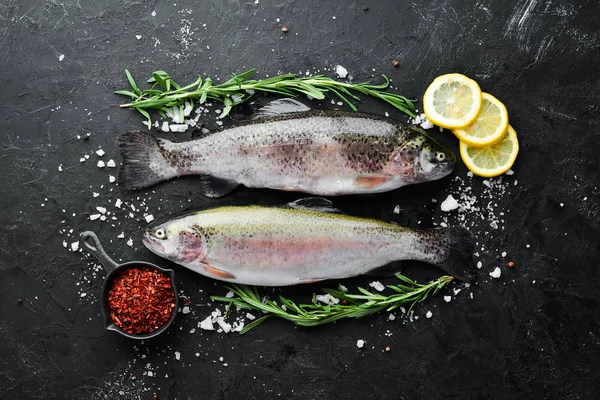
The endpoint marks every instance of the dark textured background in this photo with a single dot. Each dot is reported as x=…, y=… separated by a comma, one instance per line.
x=514, y=339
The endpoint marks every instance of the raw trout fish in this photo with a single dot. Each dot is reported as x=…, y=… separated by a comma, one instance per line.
x=291, y=147
x=305, y=241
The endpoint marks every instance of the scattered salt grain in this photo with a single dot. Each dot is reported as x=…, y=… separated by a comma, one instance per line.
x=479, y=264
x=185, y=310
x=101, y=210
x=377, y=286
x=224, y=325
x=75, y=246
x=100, y=152
x=153, y=13
x=229, y=294
x=177, y=355
x=396, y=210
x=94, y=217
x=449, y=204
x=165, y=127
x=118, y=203
x=341, y=71
x=429, y=314
x=503, y=254
x=130, y=242
x=111, y=164
x=494, y=225
x=496, y=273
x=250, y=317
x=82, y=159
x=95, y=194
x=100, y=164
x=207, y=324
x=391, y=317
x=138, y=37
x=83, y=294
x=61, y=57
x=323, y=298
x=562, y=204
x=121, y=236
x=60, y=168
x=65, y=244
x=360, y=343
x=111, y=179
x=447, y=299
x=149, y=218
x=178, y=127
x=188, y=109
x=509, y=172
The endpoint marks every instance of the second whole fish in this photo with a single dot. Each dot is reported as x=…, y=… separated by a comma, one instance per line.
x=293, y=148
x=305, y=241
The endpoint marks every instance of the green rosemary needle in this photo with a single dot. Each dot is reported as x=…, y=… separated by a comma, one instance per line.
x=344, y=305
x=165, y=93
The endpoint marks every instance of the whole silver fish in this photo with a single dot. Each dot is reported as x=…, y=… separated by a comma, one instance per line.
x=306, y=241
x=290, y=147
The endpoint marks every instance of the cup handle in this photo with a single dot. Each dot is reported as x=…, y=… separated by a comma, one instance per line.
x=95, y=248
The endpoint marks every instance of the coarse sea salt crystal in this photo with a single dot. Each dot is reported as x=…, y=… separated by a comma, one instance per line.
x=61, y=57
x=111, y=164
x=341, y=71
x=149, y=218
x=82, y=159
x=509, y=172
x=130, y=242
x=250, y=317
x=377, y=286
x=153, y=13
x=207, y=324
x=447, y=299
x=503, y=254
x=83, y=294
x=496, y=273
x=360, y=343
x=429, y=314
x=391, y=317
x=75, y=246
x=60, y=168
x=138, y=37
x=165, y=127
x=449, y=204
x=323, y=298
x=224, y=325
x=118, y=203
x=229, y=294
x=65, y=244
x=100, y=152
x=94, y=217
x=177, y=355
x=95, y=194
x=178, y=127
x=121, y=236
x=100, y=164
x=396, y=210
x=111, y=179
x=479, y=264
x=101, y=210
x=185, y=310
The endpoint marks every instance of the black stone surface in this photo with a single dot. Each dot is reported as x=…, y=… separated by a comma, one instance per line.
x=533, y=333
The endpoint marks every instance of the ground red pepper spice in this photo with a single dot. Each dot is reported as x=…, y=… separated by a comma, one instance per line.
x=141, y=300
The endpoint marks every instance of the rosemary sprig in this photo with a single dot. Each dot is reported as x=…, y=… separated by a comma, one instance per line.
x=165, y=93
x=349, y=306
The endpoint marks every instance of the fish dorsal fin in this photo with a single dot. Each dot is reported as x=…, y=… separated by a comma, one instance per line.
x=280, y=107
x=216, y=187
x=314, y=204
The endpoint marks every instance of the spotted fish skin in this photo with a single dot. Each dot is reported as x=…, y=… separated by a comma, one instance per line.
x=278, y=246
x=316, y=151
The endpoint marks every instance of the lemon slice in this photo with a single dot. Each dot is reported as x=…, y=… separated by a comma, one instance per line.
x=452, y=101
x=491, y=160
x=489, y=127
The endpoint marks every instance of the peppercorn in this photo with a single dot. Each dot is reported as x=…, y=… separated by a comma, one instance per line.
x=284, y=29
x=366, y=8
x=388, y=349
x=396, y=63
x=154, y=396
x=510, y=264
x=344, y=301
x=20, y=300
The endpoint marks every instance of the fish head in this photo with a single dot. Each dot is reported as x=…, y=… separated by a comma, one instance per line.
x=420, y=158
x=176, y=242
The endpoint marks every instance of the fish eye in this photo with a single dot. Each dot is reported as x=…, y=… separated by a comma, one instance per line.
x=440, y=156
x=160, y=233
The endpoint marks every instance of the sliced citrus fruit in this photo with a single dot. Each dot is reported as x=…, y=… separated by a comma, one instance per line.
x=489, y=127
x=452, y=101
x=491, y=160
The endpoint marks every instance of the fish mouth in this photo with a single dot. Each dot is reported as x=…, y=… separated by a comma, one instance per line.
x=153, y=245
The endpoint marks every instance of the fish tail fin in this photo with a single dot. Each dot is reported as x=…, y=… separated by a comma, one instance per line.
x=143, y=162
x=456, y=253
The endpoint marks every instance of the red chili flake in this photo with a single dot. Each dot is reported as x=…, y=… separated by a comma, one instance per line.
x=141, y=300
x=510, y=264
x=187, y=300
x=344, y=302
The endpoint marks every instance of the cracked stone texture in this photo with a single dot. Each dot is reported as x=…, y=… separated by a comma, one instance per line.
x=514, y=339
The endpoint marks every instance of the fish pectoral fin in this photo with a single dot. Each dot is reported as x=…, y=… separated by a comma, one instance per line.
x=280, y=107
x=310, y=280
x=314, y=204
x=371, y=181
x=216, y=187
x=216, y=273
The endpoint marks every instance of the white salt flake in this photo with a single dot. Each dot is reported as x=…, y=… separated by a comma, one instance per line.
x=449, y=204
x=377, y=286
x=130, y=242
x=138, y=37
x=479, y=264
x=60, y=168
x=149, y=218
x=229, y=294
x=95, y=194
x=177, y=355
x=61, y=57
x=447, y=299
x=65, y=244
x=341, y=71
x=503, y=254
x=101, y=210
x=429, y=314
x=118, y=203
x=185, y=310
x=83, y=294
x=121, y=236
x=391, y=317
x=496, y=273
x=100, y=152
x=111, y=164
x=396, y=210
x=94, y=217
x=75, y=246
x=324, y=298
x=153, y=13
x=250, y=317
x=100, y=164
x=360, y=343
x=178, y=127
x=224, y=325
x=165, y=127
x=111, y=179
x=509, y=172
x=494, y=224
x=82, y=159
x=207, y=324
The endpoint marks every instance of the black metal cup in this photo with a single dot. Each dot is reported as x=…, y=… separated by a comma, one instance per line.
x=91, y=243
